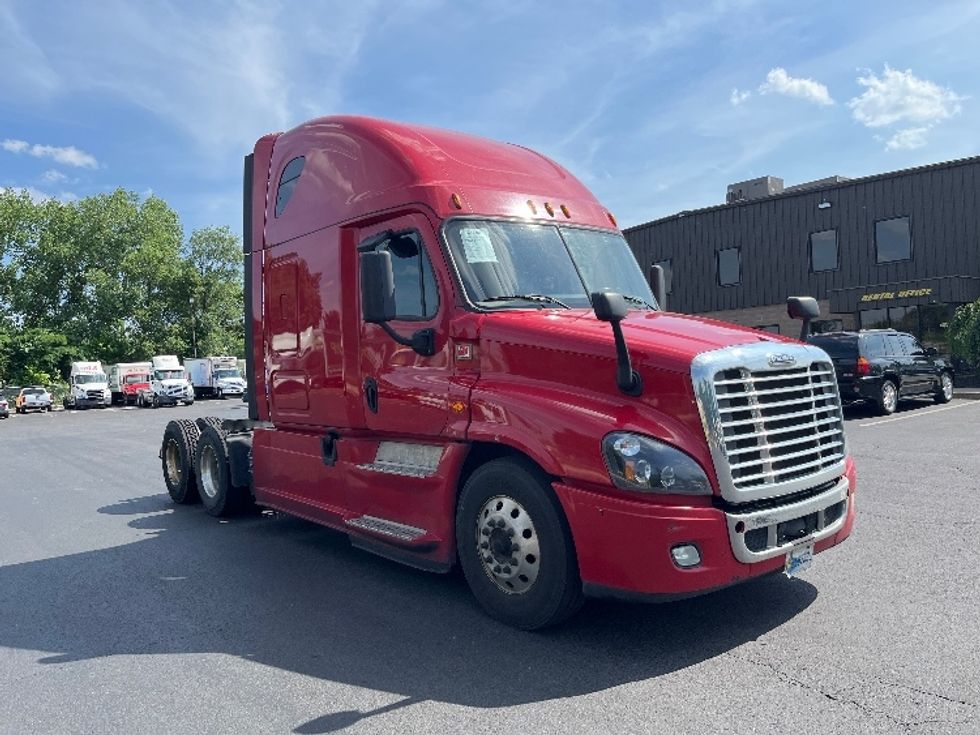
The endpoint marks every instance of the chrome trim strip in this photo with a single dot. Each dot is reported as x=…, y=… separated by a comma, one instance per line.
x=772, y=517
x=754, y=357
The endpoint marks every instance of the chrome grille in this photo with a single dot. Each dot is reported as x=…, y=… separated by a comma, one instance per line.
x=773, y=429
x=779, y=425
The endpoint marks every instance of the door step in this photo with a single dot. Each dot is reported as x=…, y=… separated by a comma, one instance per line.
x=383, y=527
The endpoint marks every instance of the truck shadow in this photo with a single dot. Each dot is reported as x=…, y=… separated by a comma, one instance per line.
x=295, y=596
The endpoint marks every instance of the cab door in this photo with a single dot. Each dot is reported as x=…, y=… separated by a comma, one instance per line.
x=405, y=393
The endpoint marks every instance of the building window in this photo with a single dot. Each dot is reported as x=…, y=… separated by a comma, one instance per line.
x=893, y=240
x=823, y=251
x=729, y=267
x=874, y=319
x=287, y=182
x=416, y=295
x=668, y=275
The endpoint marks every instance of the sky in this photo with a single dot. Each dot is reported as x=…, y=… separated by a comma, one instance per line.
x=656, y=106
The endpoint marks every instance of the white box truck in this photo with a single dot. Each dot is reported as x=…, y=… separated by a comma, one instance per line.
x=168, y=384
x=215, y=376
x=87, y=386
x=128, y=379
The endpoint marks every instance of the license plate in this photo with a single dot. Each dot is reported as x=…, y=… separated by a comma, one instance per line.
x=798, y=560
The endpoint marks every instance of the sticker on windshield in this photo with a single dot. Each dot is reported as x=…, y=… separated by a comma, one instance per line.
x=477, y=247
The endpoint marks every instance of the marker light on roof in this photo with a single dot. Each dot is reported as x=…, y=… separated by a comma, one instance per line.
x=612, y=219
x=530, y=205
x=457, y=202
x=564, y=211
x=549, y=209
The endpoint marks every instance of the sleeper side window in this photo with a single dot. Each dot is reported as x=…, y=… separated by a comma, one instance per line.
x=287, y=183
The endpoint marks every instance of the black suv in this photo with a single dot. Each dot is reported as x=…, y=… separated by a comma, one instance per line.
x=882, y=365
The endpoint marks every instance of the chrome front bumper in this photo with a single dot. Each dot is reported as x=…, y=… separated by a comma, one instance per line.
x=771, y=518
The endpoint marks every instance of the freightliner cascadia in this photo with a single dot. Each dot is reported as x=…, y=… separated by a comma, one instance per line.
x=454, y=358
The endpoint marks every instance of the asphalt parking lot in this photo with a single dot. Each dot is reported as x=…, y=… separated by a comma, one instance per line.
x=120, y=612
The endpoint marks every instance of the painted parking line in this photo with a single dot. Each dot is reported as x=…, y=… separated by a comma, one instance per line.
x=917, y=414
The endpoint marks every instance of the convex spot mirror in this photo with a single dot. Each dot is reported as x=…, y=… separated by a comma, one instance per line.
x=609, y=306
x=802, y=307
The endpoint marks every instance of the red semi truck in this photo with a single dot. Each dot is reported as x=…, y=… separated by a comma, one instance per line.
x=454, y=358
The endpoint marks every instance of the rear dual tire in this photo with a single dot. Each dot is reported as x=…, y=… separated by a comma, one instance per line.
x=178, y=455
x=218, y=495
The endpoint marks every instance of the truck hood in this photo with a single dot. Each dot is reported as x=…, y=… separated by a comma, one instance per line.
x=661, y=340
x=549, y=377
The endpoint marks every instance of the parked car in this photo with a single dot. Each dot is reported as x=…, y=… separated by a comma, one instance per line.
x=884, y=366
x=4, y=408
x=34, y=398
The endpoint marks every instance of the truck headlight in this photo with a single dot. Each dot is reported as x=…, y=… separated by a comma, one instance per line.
x=637, y=462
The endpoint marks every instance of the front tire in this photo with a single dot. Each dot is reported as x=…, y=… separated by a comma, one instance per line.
x=219, y=496
x=887, y=398
x=178, y=457
x=944, y=392
x=514, y=546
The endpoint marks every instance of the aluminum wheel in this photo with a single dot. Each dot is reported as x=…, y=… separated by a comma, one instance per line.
x=171, y=456
x=209, y=471
x=507, y=544
x=947, y=386
x=889, y=396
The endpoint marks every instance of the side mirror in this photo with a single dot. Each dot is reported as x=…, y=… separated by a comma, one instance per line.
x=378, y=302
x=805, y=308
x=377, y=287
x=658, y=284
x=611, y=307
x=931, y=352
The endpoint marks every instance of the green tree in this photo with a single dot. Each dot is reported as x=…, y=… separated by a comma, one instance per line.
x=964, y=333
x=214, y=265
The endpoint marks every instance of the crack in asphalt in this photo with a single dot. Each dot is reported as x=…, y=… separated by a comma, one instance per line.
x=905, y=726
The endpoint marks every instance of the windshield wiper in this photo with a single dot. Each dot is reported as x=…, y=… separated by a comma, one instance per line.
x=638, y=300
x=536, y=297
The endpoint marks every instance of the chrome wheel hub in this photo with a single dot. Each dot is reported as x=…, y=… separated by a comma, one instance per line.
x=209, y=472
x=889, y=396
x=507, y=544
x=947, y=383
x=172, y=458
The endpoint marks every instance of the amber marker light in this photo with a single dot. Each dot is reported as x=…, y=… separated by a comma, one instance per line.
x=549, y=209
x=564, y=211
x=530, y=205
x=457, y=202
x=612, y=219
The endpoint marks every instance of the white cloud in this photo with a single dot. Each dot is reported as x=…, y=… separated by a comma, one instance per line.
x=738, y=97
x=901, y=97
x=907, y=139
x=54, y=177
x=37, y=196
x=66, y=155
x=779, y=82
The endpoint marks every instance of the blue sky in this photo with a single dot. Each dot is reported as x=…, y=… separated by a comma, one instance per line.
x=656, y=106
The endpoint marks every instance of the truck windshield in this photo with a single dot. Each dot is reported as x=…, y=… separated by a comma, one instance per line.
x=137, y=378
x=508, y=264
x=169, y=374
x=90, y=378
x=224, y=374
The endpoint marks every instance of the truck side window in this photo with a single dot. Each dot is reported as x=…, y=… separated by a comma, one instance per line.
x=287, y=182
x=416, y=295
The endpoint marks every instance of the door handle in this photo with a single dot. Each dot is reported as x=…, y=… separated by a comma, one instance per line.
x=371, y=394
